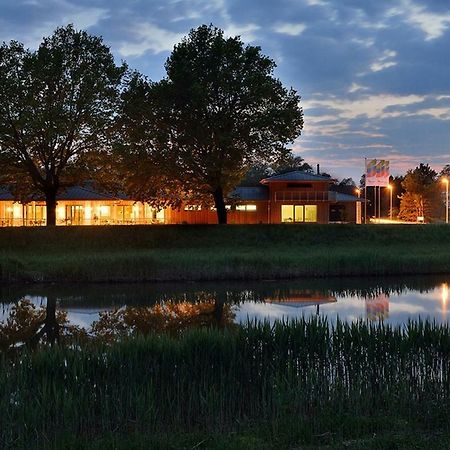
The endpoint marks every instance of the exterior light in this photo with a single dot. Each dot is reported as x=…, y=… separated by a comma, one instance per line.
x=445, y=181
x=391, y=188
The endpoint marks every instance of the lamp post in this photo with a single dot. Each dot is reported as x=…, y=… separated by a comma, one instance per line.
x=391, y=188
x=445, y=180
x=358, y=206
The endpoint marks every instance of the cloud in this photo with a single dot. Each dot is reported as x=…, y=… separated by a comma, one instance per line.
x=149, y=37
x=432, y=24
x=384, y=61
x=290, y=29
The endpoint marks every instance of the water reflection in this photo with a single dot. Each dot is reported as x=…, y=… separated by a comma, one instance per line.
x=54, y=313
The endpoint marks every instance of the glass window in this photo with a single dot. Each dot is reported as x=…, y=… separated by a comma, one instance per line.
x=310, y=213
x=298, y=213
x=245, y=207
x=287, y=213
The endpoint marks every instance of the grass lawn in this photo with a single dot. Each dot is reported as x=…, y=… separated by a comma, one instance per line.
x=190, y=252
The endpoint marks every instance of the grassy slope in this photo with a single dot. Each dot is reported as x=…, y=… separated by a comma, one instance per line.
x=217, y=252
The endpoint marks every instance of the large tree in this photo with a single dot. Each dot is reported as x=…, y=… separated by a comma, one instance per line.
x=422, y=195
x=56, y=106
x=219, y=111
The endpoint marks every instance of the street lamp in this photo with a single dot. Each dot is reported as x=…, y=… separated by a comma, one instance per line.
x=391, y=188
x=358, y=192
x=445, y=180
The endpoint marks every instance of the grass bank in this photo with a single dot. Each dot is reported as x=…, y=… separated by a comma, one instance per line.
x=304, y=384
x=163, y=253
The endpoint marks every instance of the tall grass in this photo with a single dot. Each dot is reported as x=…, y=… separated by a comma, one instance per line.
x=306, y=375
x=165, y=253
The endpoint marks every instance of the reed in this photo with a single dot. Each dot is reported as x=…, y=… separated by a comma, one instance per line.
x=296, y=381
x=249, y=252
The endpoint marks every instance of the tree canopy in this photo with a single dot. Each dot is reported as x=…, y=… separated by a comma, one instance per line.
x=422, y=195
x=218, y=112
x=56, y=105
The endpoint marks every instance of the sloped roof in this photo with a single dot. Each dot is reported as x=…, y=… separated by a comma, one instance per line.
x=250, y=193
x=340, y=197
x=86, y=193
x=296, y=175
x=5, y=194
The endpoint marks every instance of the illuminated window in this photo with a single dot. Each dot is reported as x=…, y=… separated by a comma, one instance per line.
x=245, y=207
x=287, y=213
x=310, y=213
x=298, y=213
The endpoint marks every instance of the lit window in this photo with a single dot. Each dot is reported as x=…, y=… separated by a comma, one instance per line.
x=298, y=213
x=310, y=213
x=287, y=213
x=245, y=207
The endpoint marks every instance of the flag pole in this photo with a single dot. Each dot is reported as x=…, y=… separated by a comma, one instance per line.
x=365, y=191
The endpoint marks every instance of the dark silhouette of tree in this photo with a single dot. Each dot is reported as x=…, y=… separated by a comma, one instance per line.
x=56, y=106
x=286, y=163
x=422, y=196
x=218, y=112
x=445, y=172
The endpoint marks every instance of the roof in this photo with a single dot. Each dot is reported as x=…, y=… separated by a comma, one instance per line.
x=86, y=193
x=250, y=193
x=340, y=197
x=297, y=175
x=5, y=194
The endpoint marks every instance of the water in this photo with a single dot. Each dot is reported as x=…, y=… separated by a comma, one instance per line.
x=393, y=300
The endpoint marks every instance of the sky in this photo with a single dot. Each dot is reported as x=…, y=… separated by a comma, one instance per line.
x=374, y=76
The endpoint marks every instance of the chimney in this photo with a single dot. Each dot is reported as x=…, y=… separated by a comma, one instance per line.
x=318, y=169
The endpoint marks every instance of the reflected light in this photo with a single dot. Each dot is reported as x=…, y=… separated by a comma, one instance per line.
x=444, y=294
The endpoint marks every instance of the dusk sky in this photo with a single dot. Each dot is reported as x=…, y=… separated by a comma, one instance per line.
x=374, y=76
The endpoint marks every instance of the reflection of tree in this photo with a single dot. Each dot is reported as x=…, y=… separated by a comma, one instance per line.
x=170, y=317
x=30, y=325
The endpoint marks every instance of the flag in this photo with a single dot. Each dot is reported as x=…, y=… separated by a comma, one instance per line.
x=377, y=172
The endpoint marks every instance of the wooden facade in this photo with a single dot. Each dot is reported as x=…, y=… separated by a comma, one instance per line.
x=294, y=197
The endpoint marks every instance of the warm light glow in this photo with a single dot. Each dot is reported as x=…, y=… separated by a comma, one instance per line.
x=88, y=213
x=104, y=210
x=17, y=211
x=444, y=294
x=60, y=213
x=390, y=187
x=445, y=180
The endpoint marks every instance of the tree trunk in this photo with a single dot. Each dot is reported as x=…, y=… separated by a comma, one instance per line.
x=50, y=202
x=220, y=206
x=51, y=325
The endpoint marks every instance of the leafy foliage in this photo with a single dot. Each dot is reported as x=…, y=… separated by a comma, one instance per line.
x=56, y=106
x=219, y=111
x=422, y=196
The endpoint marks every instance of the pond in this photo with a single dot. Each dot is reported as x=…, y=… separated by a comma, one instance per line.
x=393, y=300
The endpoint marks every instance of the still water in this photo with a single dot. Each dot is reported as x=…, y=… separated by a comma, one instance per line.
x=393, y=300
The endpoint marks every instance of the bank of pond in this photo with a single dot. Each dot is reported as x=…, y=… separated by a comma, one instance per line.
x=181, y=365
x=235, y=252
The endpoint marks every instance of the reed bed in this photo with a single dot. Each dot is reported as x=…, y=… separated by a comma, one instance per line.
x=238, y=252
x=302, y=379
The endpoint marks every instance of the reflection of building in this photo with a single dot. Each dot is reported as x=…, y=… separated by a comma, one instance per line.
x=300, y=298
x=377, y=307
x=293, y=197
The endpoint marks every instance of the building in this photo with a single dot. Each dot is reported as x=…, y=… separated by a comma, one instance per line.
x=293, y=197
